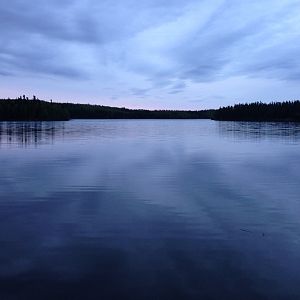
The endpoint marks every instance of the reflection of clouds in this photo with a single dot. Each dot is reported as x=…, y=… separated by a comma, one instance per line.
x=140, y=197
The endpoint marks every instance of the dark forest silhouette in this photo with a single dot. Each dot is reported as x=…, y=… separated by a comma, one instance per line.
x=23, y=109
x=288, y=111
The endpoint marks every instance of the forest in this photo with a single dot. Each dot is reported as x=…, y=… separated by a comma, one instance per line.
x=31, y=110
x=288, y=111
x=22, y=109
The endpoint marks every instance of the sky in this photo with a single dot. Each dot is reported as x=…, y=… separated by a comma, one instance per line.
x=153, y=54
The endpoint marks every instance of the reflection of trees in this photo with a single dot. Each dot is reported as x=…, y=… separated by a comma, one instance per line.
x=28, y=133
x=260, y=130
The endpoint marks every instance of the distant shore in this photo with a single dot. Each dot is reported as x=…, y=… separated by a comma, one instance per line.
x=40, y=110
x=288, y=111
x=24, y=109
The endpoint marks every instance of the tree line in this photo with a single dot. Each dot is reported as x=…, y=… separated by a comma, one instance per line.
x=22, y=109
x=288, y=111
x=34, y=110
x=87, y=111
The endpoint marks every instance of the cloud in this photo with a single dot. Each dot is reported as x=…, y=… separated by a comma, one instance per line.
x=149, y=48
x=140, y=92
x=236, y=38
x=177, y=88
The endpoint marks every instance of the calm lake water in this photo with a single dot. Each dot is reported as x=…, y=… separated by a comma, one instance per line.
x=149, y=209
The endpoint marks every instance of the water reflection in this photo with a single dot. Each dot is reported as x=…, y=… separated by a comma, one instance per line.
x=35, y=133
x=140, y=209
x=260, y=130
x=30, y=133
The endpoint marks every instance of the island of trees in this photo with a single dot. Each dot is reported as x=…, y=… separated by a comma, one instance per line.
x=25, y=109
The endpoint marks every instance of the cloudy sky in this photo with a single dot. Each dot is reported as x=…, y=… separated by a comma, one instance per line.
x=187, y=54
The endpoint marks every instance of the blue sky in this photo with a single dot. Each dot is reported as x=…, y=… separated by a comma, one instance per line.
x=151, y=53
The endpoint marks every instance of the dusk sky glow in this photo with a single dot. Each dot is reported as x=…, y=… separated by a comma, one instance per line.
x=151, y=53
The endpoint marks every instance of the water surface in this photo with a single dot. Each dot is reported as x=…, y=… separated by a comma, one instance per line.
x=149, y=209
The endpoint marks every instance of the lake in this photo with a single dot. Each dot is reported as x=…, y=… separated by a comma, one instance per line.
x=149, y=209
